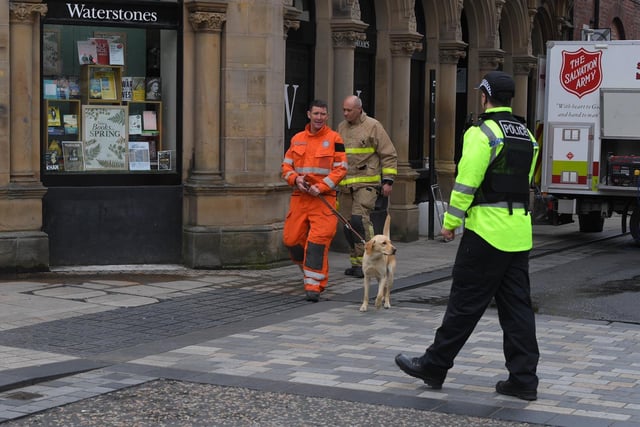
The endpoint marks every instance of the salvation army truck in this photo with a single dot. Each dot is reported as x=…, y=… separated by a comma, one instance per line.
x=591, y=141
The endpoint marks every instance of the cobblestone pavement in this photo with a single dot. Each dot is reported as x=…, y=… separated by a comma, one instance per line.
x=182, y=347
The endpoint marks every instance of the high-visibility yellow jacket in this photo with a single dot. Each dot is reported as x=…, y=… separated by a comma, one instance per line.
x=372, y=156
x=509, y=232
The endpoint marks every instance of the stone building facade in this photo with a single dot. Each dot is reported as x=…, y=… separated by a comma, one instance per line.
x=236, y=78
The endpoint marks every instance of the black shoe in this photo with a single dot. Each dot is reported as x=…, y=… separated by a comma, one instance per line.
x=312, y=296
x=412, y=366
x=510, y=389
x=355, y=271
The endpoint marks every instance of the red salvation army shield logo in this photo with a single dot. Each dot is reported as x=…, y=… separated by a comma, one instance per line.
x=581, y=71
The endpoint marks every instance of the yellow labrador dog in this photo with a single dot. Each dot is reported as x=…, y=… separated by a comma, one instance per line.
x=379, y=262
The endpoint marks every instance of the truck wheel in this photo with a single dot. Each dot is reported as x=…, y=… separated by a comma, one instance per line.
x=591, y=222
x=634, y=226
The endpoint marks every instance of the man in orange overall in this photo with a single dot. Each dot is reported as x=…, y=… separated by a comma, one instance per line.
x=313, y=165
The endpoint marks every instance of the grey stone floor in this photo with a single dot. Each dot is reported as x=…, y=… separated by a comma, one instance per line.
x=242, y=348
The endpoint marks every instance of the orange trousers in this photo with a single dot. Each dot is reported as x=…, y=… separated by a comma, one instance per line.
x=308, y=231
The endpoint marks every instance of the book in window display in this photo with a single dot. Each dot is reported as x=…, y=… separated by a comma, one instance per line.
x=50, y=89
x=95, y=89
x=135, y=124
x=51, y=161
x=149, y=120
x=154, y=89
x=53, y=116
x=116, y=53
x=55, y=131
x=74, y=87
x=139, y=89
x=117, y=45
x=107, y=84
x=164, y=160
x=73, y=156
x=139, y=158
x=127, y=88
x=87, y=52
x=55, y=147
x=62, y=88
x=70, y=122
x=102, y=51
x=153, y=151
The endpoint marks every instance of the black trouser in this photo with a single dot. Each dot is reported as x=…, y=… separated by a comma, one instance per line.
x=480, y=273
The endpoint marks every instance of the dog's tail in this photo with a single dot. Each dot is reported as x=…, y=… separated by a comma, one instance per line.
x=387, y=226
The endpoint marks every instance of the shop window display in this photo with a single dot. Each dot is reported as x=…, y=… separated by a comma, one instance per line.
x=108, y=102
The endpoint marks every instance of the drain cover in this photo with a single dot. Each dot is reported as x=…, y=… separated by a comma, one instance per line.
x=23, y=395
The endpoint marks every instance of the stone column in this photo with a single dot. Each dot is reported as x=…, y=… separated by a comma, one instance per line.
x=345, y=34
x=24, y=127
x=488, y=60
x=290, y=16
x=23, y=246
x=207, y=19
x=522, y=66
x=450, y=54
x=403, y=209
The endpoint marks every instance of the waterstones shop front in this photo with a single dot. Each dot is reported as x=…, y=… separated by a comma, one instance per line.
x=110, y=132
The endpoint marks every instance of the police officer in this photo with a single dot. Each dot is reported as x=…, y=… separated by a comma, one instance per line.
x=491, y=194
x=373, y=165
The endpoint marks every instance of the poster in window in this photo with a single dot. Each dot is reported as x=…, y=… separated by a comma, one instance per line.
x=105, y=136
x=51, y=61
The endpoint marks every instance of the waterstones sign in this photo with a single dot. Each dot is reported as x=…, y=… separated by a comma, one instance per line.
x=81, y=11
x=162, y=14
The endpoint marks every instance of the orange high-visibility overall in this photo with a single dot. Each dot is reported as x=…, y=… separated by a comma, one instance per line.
x=310, y=224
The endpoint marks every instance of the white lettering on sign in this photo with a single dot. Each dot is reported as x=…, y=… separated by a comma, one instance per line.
x=81, y=11
x=363, y=43
x=289, y=106
x=514, y=129
x=582, y=72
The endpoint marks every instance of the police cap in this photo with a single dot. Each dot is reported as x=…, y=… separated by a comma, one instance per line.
x=498, y=84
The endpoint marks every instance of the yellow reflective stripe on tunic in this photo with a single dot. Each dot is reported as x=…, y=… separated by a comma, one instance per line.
x=369, y=179
x=389, y=171
x=364, y=150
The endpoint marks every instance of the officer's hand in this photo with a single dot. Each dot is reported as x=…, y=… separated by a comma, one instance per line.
x=386, y=190
x=448, y=235
x=302, y=184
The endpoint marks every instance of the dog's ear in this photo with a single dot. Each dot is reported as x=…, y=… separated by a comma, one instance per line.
x=368, y=247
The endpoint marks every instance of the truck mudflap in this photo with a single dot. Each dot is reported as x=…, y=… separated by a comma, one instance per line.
x=634, y=225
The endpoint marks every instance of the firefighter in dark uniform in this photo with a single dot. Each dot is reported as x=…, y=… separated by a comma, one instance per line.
x=490, y=194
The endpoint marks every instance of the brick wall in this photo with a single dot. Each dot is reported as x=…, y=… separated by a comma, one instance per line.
x=614, y=14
